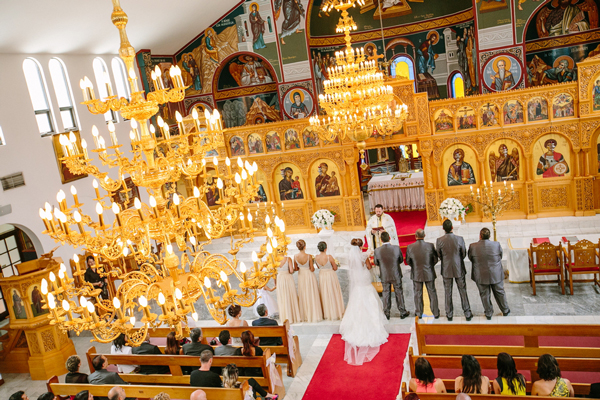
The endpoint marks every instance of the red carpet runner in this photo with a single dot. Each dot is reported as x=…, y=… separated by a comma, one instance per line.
x=378, y=379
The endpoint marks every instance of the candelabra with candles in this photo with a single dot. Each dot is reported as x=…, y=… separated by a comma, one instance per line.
x=357, y=101
x=491, y=203
x=169, y=220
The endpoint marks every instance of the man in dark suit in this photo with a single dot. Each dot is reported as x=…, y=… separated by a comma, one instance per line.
x=102, y=376
x=266, y=321
x=147, y=348
x=487, y=272
x=421, y=257
x=452, y=252
x=195, y=348
x=389, y=258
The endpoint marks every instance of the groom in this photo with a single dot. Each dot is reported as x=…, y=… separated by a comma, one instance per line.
x=389, y=258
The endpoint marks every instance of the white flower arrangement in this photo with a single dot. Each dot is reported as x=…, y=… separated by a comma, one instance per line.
x=323, y=219
x=452, y=208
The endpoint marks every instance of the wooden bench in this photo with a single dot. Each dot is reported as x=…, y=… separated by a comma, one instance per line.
x=452, y=396
x=144, y=391
x=530, y=334
x=282, y=352
x=522, y=363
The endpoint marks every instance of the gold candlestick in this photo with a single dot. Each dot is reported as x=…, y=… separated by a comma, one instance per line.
x=491, y=203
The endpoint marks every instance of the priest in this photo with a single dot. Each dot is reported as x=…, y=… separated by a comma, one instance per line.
x=379, y=223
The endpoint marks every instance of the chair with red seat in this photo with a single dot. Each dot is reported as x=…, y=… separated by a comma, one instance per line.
x=582, y=258
x=545, y=259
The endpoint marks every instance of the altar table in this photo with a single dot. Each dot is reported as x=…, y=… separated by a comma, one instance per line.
x=518, y=258
x=396, y=194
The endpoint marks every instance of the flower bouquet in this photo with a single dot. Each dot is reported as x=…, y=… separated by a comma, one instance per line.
x=452, y=209
x=323, y=219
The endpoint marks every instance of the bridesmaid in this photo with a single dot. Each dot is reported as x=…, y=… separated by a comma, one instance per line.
x=331, y=292
x=308, y=287
x=287, y=296
x=235, y=311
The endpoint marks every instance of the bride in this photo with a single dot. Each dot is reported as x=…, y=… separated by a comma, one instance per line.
x=362, y=327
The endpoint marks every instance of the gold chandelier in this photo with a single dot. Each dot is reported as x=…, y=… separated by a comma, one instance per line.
x=357, y=101
x=169, y=219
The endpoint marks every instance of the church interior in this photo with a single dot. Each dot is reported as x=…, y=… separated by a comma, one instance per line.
x=168, y=172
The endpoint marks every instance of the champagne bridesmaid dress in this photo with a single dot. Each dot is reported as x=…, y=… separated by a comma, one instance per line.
x=308, y=293
x=287, y=297
x=331, y=292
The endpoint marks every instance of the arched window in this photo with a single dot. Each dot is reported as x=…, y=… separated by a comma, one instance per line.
x=103, y=84
x=120, y=76
x=2, y=141
x=457, y=86
x=403, y=66
x=38, y=91
x=64, y=96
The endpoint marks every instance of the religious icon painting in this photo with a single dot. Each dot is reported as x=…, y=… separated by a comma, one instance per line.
x=466, y=118
x=513, y=112
x=443, y=121
x=460, y=169
x=490, y=115
x=336, y=140
x=236, y=144
x=244, y=70
x=562, y=106
x=273, y=142
x=326, y=175
x=564, y=17
x=66, y=175
x=595, y=94
x=298, y=103
x=310, y=137
x=37, y=300
x=537, y=109
x=491, y=6
x=17, y=305
x=502, y=72
x=289, y=182
x=255, y=145
x=555, y=154
x=261, y=195
x=212, y=195
x=291, y=140
x=504, y=166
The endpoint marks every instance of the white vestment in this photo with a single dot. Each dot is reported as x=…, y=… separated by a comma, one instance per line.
x=388, y=225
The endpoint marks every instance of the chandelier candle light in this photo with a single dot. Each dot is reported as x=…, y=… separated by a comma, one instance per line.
x=169, y=219
x=357, y=101
x=491, y=203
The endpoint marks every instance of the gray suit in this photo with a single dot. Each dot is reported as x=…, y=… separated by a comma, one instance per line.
x=486, y=256
x=389, y=258
x=452, y=252
x=421, y=257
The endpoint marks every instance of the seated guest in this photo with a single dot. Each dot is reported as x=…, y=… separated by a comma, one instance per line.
x=204, y=377
x=162, y=396
x=85, y=395
x=551, y=383
x=249, y=350
x=74, y=376
x=411, y=396
x=198, y=395
x=102, y=376
x=235, y=312
x=173, y=347
x=119, y=347
x=147, y=348
x=461, y=396
x=509, y=381
x=425, y=381
x=116, y=393
x=46, y=396
x=20, y=395
x=225, y=349
x=195, y=348
x=266, y=321
x=471, y=380
x=230, y=380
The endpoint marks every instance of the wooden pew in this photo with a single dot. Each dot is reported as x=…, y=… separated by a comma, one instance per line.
x=143, y=391
x=176, y=362
x=282, y=352
x=529, y=332
x=522, y=363
x=452, y=396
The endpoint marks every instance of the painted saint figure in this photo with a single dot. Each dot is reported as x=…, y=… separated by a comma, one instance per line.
x=426, y=57
x=552, y=163
x=504, y=167
x=36, y=299
x=597, y=95
x=293, y=11
x=210, y=40
x=190, y=65
x=323, y=184
x=503, y=79
x=258, y=28
x=561, y=73
x=460, y=172
x=566, y=18
x=18, y=306
x=289, y=189
x=298, y=109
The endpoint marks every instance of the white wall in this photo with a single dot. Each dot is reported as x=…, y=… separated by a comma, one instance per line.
x=26, y=151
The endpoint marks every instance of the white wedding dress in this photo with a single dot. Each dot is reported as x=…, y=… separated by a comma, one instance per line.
x=363, y=325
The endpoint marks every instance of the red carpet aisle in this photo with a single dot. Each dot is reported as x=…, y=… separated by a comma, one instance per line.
x=334, y=379
x=407, y=223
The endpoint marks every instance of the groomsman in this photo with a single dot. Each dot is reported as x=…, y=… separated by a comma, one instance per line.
x=421, y=257
x=452, y=252
x=389, y=258
x=486, y=256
